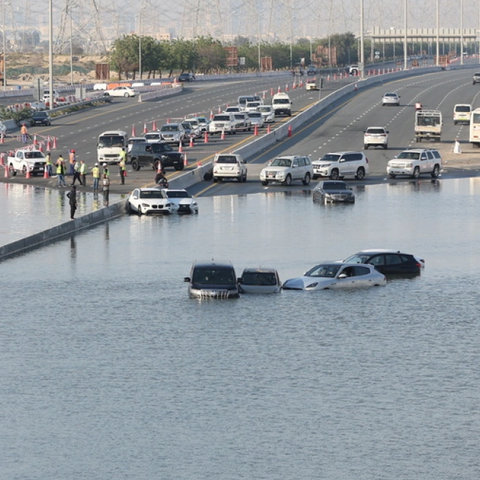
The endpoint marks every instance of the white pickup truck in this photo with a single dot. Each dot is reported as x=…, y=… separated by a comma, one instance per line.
x=25, y=160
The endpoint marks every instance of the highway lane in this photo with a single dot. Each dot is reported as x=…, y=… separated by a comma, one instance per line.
x=342, y=127
x=80, y=131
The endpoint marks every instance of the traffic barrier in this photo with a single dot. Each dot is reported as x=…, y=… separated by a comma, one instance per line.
x=145, y=129
x=289, y=130
x=133, y=131
x=255, y=131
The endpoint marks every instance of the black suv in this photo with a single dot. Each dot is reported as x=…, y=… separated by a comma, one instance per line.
x=389, y=262
x=186, y=77
x=145, y=154
x=40, y=118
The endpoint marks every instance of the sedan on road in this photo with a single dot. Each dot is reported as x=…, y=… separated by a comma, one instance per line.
x=40, y=118
x=120, y=91
x=391, y=98
x=335, y=276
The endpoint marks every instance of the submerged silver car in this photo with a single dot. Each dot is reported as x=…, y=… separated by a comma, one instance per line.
x=333, y=191
x=259, y=280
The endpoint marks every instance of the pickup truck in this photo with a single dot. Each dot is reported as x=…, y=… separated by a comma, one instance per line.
x=428, y=125
x=25, y=160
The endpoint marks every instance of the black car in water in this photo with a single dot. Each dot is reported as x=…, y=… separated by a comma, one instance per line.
x=389, y=262
x=146, y=154
x=40, y=118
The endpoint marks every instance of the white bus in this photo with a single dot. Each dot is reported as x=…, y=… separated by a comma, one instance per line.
x=475, y=128
x=110, y=145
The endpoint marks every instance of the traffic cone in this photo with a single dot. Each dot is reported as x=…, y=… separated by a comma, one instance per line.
x=289, y=130
x=211, y=114
x=191, y=142
x=268, y=128
x=185, y=161
x=54, y=143
x=154, y=126
x=271, y=92
x=40, y=146
x=35, y=140
x=286, y=87
x=222, y=136
x=255, y=131
x=6, y=171
x=27, y=174
x=1, y=158
x=145, y=129
x=279, y=89
x=356, y=87
x=206, y=137
x=263, y=96
x=219, y=109
x=133, y=131
x=2, y=139
x=168, y=120
x=45, y=173
x=180, y=148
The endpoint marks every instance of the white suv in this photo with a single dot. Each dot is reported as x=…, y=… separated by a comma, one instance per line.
x=286, y=169
x=415, y=162
x=222, y=122
x=341, y=164
x=229, y=166
x=375, y=136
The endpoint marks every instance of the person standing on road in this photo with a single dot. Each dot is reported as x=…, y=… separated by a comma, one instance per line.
x=72, y=196
x=24, y=133
x=61, y=172
x=76, y=173
x=123, y=165
x=106, y=186
x=83, y=172
x=71, y=161
x=49, y=164
x=96, y=177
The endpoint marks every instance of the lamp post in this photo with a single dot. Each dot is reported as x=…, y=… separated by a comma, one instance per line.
x=405, y=44
x=140, y=44
x=50, y=52
x=4, y=49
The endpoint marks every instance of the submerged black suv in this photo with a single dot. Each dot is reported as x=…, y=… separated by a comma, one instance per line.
x=146, y=154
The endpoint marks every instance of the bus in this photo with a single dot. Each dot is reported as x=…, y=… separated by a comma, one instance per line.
x=475, y=128
x=109, y=146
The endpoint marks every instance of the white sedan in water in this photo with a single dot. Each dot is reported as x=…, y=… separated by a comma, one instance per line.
x=149, y=201
x=335, y=276
x=181, y=200
x=120, y=91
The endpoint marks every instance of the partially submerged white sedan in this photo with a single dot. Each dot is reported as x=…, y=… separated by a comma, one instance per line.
x=149, y=201
x=182, y=202
x=335, y=276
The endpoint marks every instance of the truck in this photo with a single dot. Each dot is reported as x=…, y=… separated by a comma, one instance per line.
x=26, y=160
x=109, y=146
x=428, y=125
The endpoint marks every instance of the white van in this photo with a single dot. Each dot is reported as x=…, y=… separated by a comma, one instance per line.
x=244, y=99
x=46, y=95
x=110, y=145
x=462, y=113
x=281, y=103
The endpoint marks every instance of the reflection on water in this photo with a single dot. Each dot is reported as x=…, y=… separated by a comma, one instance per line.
x=115, y=373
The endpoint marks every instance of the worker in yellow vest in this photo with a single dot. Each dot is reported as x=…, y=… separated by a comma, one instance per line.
x=96, y=177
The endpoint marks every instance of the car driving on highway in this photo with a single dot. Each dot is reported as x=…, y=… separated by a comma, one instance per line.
x=120, y=91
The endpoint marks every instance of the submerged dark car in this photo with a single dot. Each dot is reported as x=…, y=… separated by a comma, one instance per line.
x=389, y=262
x=212, y=280
x=333, y=191
x=40, y=118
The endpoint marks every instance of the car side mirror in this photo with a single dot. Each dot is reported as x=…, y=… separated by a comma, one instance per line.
x=186, y=279
x=342, y=160
x=342, y=275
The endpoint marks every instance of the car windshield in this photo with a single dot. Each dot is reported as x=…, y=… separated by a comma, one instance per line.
x=226, y=159
x=152, y=136
x=357, y=258
x=151, y=194
x=410, y=155
x=462, y=108
x=34, y=155
x=223, y=118
x=40, y=114
x=253, y=104
x=187, y=126
x=255, y=115
x=390, y=95
x=111, y=141
x=334, y=186
x=161, y=147
x=259, y=278
x=264, y=109
x=281, y=100
x=178, y=194
x=214, y=276
x=375, y=131
x=192, y=122
x=330, y=157
x=323, y=271
x=170, y=128
x=239, y=116
x=281, y=162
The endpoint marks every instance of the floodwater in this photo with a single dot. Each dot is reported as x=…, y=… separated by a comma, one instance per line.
x=110, y=371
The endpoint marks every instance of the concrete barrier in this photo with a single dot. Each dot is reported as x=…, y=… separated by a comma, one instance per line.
x=62, y=231
x=161, y=91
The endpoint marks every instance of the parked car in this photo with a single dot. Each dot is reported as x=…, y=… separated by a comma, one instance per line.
x=152, y=155
x=120, y=91
x=415, y=162
x=242, y=122
x=335, y=276
x=391, y=98
x=212, y=280
x=287, y=169
x=259, y=280
x=173, y=133
x=333, y=191
x=40, y=118
x=389, y=262
x=25, y=160
x=146, y=201
x=182, y=202
x=341, y=164
x=186, y=77
x=256, y=118
x=267, y=112
x=229, y=165
x=476, y=78
x=375, y=136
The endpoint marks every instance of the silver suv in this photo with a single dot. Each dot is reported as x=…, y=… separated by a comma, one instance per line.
x=415, y=162
x=476, y=78
x=286, y=169
x=341, y=164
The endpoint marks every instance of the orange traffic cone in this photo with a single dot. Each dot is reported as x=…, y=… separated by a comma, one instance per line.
x=268, y=128
x=2, y=138
x=168, y=120
x=54, y=143
x=45, y=173
x=154, y=126
x=145, y=129
x=279, y=89
x=35, y=140
x=211, y=114
x=48, y=144
x=133, y=131
x=185, y=161
x=191, y=142
x=1, y=158
x=206, y=137
x=222, y=136
x=180, y=147
x=6, y=171
x=289, y=130
x=255, y=131
x=27, y=173
x=286, y=87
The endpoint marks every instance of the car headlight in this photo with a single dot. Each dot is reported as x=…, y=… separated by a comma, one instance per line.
x=145, y=205
x=312, y=285
x=280, y=174
x=409, y=165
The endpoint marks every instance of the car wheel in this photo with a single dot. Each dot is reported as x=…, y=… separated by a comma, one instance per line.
x=264, y=183
x=365, y=147
x=334, y=174
x=106, y=94
x=215, y=179
x=454, y=123
x=306, y=180
x=135, y=165
x=245, y=177
x=416, y=172
x=360, y=173
x=288, y=180
x=436, y=171
x=126, y=95
x=391, y=175
x=178, y=167
x=24, y=170
x=128, y=207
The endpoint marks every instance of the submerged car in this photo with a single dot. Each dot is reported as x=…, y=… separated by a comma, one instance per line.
x=334, y=276
x=389, y=262
x=148, y=201
x=212, y=280
x=259, y=280
x=333, y=191
x=182, y=202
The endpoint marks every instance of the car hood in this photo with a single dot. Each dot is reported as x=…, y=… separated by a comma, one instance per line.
x=301, y=283
x=334, y=192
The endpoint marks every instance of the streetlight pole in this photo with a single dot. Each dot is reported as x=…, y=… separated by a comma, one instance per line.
x=50, y=52
x=140, y=44
x=362, y=43
x=405, y=45
x=4, y=50
x=461, y=32
x=437, y=61
x=71, y=49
